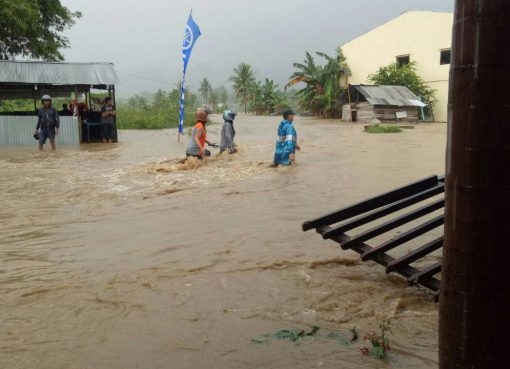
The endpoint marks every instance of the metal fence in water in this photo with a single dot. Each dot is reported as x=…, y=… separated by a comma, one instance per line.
x=19, y=130
x=337, y=224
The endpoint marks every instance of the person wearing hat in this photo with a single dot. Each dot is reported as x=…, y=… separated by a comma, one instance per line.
x=196, y=147
x=286, y=143
x=48, y=123
x=228, y=133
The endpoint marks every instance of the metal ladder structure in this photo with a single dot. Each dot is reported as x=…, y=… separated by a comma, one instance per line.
x=337, y=224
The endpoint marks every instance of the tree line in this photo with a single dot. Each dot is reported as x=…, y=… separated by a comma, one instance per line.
x=324, y=85
x=157, y=110
x=261, y=97
x=34, y=29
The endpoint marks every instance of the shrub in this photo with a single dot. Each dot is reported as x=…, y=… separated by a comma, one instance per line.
x=158, y=112
x=383, y=129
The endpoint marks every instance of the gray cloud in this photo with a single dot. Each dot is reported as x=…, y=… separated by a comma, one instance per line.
x=144, y=37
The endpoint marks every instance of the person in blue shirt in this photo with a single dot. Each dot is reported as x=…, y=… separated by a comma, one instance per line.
x=286, y=143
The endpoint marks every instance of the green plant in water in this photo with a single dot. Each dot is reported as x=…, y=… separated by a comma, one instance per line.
x=380, y=343
x=377, y=128
x=292, y=335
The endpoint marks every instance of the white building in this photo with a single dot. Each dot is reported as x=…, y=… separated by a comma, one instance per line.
x=421, y=36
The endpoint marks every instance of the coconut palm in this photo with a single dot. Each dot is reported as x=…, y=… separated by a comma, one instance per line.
x=242, y=83
x=205, y=89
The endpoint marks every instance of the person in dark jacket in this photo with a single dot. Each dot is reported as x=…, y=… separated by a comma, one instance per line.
x=108, y=115
x=65, y=112
x=48, y=123
x=228, y=133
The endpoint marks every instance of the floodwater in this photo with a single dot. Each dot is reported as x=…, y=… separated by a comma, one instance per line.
x=120, y=257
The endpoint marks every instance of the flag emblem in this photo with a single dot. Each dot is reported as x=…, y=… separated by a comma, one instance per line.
x=191, y=35
x=188, y=38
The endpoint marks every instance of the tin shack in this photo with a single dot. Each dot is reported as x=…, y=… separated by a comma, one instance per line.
x=33, y=79
x=365, y=103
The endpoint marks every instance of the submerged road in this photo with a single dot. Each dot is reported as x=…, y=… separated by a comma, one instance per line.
x=120, y=257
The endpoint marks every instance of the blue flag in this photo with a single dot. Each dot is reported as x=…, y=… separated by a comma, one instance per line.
x=191, y=36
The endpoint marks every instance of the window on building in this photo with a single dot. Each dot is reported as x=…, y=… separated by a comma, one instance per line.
x=445, y=56
x=403, y=60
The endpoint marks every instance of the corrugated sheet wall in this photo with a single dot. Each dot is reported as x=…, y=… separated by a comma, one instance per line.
x=19, y=130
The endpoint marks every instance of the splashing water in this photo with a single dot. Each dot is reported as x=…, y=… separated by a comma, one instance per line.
x=126, y=256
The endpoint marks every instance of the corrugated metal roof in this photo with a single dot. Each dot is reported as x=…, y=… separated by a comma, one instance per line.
x=57, y=73
x=389, y=95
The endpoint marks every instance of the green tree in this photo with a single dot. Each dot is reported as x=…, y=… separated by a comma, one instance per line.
x=256, y=98
x=214, y=101
x=269, y=91
x=205, y=89
x=33, y=28
x=16, y=105
x=242, y=83
x=159, y=100
x=138, y=102
x=324, y=84
x=405, y=75
x=137, y=113
x=266, y=98
x=222, y=95
x=280, y=102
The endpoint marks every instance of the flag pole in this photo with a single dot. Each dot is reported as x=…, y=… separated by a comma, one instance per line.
x=191, y=35
x=183, y=91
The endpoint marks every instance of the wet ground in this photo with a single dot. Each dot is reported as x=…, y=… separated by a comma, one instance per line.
x=120, y=257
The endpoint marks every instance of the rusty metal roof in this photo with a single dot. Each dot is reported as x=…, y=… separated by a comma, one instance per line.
x=389, y=95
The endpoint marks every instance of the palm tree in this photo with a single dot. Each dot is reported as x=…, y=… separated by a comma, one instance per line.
x=266, y=98
x=256, y=98
x=337, y=68
x=242, y=82
x=312, y=75
x=214, y=101
x=280, y=102
x=224, y=98
x=205, y=89
x=324, y=84
x=269, y=90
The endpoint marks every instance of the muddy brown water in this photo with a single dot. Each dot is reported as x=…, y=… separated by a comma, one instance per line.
x=120, y=257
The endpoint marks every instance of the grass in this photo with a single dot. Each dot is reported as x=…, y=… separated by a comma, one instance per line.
x=133, y=118
x=383, y=129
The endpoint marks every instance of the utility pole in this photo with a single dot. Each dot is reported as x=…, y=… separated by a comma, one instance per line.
x=475, y=292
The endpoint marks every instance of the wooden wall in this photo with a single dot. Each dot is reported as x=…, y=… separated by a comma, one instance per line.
x=366, y=112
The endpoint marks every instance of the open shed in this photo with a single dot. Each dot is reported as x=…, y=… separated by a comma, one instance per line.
x=364, y=103
x=32, y=79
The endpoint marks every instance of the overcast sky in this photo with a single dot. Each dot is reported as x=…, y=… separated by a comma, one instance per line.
x=144, y=38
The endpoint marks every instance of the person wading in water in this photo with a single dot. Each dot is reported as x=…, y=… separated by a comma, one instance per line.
x=286, y=143
x=48, y=123
x=108, y=115
x=228, y=133
x=196, y=147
